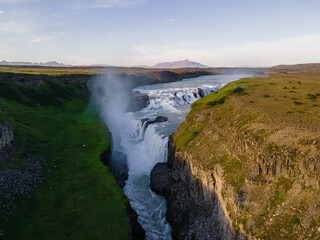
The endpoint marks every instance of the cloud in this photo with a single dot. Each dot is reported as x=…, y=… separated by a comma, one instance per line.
x=168, y=20
x=299, y=49
x=7, y=23
x=82, y=4
x=8, y=27
x=37, y=40
x=59, y=16
x=111, y=33
x=17, y=27
x=34, y=38
x=1, y=12
x=10, y=1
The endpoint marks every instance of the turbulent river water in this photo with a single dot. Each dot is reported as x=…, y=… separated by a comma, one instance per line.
x=142, y=147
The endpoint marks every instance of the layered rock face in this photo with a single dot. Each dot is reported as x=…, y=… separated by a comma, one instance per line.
x=6, y=137
x=248, y=167
x=6, y=134
x=194, y=206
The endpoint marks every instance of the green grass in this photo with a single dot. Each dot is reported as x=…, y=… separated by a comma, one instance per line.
x=58, y=71
x=246, y=126
x=80, y=199
x=233, y=172
x=54, y=71
x=185, y=139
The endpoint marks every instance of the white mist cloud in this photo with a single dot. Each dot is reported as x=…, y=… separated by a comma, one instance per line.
x=290, y=50
x=1, y=12
x=59, y=16
x=7, y=23
x=37, y=40
x=8, y=27
x=34, y=38
x=168, y=20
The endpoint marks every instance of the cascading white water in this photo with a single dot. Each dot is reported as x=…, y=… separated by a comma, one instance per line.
x=144, y=145
x=171, y=98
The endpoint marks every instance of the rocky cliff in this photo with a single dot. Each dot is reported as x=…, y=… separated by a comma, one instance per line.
x=6, y=134
x=245, y=163
x=137, y=79
x=6, y=137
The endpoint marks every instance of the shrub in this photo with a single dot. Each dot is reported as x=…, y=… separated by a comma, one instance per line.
x=311, y=96
x=213, y=103
x=238, y=90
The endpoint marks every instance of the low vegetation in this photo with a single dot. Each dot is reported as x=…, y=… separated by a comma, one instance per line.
x=267, y=146
x=57, y=71
x=78, y=198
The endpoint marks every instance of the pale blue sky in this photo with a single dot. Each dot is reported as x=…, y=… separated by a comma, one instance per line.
x=138, y=32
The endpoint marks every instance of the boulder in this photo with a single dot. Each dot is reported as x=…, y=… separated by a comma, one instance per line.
x=201, y=92
x=137, y=232
x=6, y=133
x=161, y=119
x=157, y=120
x=6, y=139
x=159, y=178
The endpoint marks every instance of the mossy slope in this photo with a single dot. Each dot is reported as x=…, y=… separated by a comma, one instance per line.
x=79, y=199
x=263, y=134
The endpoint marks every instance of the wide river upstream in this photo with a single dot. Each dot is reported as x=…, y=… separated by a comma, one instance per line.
x=142, y=147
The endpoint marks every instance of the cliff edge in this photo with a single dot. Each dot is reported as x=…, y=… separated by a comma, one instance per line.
x=245, y=164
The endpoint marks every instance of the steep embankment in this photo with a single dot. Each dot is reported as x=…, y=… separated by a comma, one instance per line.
x=36, y=76
x=56, y=146
x=246, y=162
x=50, y=146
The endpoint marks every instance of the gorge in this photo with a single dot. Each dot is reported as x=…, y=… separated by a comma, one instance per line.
x=140, y=141
x=243, y=155
x=245, y=162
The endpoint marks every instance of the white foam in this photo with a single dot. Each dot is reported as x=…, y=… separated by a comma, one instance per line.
x=144, y=147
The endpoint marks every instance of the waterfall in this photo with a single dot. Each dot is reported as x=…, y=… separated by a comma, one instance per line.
x=142, y=141
x=171, y=98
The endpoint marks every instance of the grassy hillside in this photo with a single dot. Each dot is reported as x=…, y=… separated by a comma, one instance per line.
x=57, y=71
x=78, y=198
x=263, y=135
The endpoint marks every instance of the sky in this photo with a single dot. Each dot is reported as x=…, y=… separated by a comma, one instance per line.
x=216, y=33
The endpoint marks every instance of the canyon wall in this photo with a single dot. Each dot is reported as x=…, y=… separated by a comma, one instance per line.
x=247, y=166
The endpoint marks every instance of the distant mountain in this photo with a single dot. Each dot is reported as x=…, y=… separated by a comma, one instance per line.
x=52, y=64
x=180, y=64
x=49, y=64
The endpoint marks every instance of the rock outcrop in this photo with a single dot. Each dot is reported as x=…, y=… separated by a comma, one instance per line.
x=37, y=80
x=248, y=167
x=6, y=134
x=6, y=138
x=119, y=169
x=158, y=119
x=117, y=165
x=159, y=179
x=195, y=208
x=137, y=232
x=140, y=101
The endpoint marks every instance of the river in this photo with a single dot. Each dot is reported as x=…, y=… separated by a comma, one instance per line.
x=142, y=147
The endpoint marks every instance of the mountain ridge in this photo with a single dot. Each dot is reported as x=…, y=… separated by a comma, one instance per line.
x=180, y=64
x=47, y=64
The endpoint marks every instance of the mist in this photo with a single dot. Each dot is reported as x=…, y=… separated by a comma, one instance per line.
x=112, y=94
x=134, y=145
